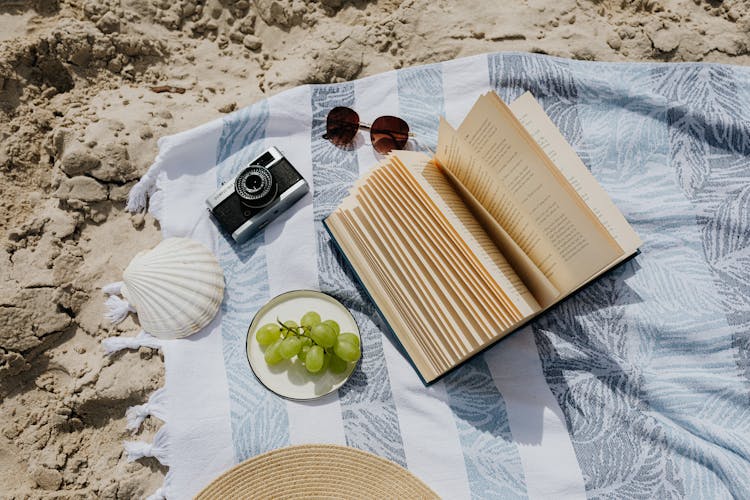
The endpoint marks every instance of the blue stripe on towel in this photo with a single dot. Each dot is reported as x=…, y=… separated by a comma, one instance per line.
x=593, y=370
x=421, y=103
x=703, y=403
x=259, y=419
x=493, y=464
x=718, y=181
x=368, y=409
x=651, y=401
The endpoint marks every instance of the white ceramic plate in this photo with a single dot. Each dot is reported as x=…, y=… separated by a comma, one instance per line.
x=290, y=378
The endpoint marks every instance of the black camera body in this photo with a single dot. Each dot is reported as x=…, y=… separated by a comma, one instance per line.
x=260, y=192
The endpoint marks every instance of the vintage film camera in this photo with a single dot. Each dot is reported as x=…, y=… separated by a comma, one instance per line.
x=261, y=191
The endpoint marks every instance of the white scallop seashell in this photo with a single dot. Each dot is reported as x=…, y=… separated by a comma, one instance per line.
x=176, y=288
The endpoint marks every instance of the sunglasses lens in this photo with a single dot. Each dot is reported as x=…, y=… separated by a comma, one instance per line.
x=388, y=133
x=341, y=126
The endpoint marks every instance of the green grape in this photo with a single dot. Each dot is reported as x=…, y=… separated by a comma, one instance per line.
x=323, y=335
x=349, y=337
x=310, y=319
x=306, y=341
x=337, y=365
x=333, y=324
x=272, y=354
x=290, y=347
x=302, y=354
x=315, y=358
x=292, y=325
x=268, y=333
x=326, y=362
x=346, y=350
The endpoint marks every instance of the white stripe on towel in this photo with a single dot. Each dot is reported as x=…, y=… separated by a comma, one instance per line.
x=538, y=426
x=428, y=429
x=536, y=420
x=462, y=88
x=195, y=373
x=295, y=229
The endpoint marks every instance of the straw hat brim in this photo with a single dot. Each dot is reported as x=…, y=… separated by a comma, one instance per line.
x=316, y=471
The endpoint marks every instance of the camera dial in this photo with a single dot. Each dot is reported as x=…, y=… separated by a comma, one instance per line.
x=255, y=186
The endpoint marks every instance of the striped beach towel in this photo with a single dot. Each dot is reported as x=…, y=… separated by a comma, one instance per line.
x=637, y=387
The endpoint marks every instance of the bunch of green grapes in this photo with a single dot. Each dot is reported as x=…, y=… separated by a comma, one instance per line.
x=318, y=344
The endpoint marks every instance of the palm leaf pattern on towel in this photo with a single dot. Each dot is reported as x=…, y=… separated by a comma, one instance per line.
x=593, y=360
x=709, y=104
x=726, y=243
x=259, y=422
x=704, y=126
x=493, y=464
x=621, y=355
x=368, y=410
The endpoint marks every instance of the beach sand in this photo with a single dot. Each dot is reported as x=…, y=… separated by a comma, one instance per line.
x=79, y=123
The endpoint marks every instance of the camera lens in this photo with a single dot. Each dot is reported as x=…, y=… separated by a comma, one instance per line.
x=254, y=183
x=255, y=186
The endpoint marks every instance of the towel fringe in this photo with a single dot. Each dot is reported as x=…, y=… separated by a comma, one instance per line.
x=140, y=193
x=142, y=190
x=117, y=309
x=157, y=449
x=112, y=345
x=113, y=288
x=162, y=493
x=135, y=415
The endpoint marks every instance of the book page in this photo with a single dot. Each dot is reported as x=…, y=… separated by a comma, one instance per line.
x=494, y=157
x=439, y=189
x=410, y=299
x=428, y=277
x=535, y=281
x=360, y=257
x=433, y=238
x=548, y=136
x=436, y=269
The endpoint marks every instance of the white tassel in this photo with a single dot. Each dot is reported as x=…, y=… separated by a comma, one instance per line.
x=117, y=309
x=113, y=288
x=161, y=493
x=158, y=449
x=135, y=415
x=112, y=345
x=140, y=193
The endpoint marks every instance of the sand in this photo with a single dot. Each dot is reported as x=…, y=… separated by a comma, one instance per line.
x=79, y=123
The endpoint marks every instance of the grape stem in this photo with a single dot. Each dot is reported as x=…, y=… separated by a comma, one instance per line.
x=294, y=331
x=305, y=332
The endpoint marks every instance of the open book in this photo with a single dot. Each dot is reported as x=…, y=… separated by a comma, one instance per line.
x=459, y=250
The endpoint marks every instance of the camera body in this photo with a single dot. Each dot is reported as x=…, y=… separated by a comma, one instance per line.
x=267, y=186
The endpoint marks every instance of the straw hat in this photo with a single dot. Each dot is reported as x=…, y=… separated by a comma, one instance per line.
x=316, y=471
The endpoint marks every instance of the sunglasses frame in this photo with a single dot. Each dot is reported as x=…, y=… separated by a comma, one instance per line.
x=360, y=125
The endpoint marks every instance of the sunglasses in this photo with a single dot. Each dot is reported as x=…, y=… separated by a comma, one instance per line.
x=386, y=132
